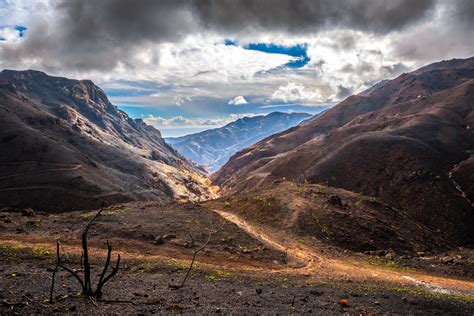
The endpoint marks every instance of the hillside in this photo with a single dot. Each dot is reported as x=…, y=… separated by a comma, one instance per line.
x=408, y=142
x=213, y=148
x=64, y=146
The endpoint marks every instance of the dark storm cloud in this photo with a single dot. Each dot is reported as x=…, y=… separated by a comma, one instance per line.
x=309, y=16
x=464, y=12
x=100, y=34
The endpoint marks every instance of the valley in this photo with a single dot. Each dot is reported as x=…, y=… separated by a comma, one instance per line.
x=365, y=208
x=213, y=148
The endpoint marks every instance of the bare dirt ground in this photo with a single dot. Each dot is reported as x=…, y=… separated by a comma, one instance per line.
x=246, y=268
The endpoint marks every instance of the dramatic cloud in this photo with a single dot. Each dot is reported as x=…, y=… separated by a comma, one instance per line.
x=239, y=100
x=191, y=57
x=309, y=16
x=109, y=34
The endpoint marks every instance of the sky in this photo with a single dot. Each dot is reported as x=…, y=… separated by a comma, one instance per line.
x=189, y=65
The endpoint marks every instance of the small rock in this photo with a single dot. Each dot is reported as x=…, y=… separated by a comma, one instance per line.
x=420, y=254
x=259, y=291
x=28, y=212
x=148, y=236
x=7, y=220
x=335, y=200
x=159, y=240
x=377, y=303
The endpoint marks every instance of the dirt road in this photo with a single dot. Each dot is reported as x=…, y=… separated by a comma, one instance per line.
x=319, y=265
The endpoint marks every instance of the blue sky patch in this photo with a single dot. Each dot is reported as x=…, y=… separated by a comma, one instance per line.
x=299, y=51
x=228, y=42
x=295, y=51
x=21, y=30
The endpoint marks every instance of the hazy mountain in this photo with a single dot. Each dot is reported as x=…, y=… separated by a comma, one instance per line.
x=212, y=148
x=64, y=146
x=408, y=141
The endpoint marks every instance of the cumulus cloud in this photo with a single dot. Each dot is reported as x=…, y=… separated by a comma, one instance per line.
x=293, y=92
x=9, y=34
x=239, y=100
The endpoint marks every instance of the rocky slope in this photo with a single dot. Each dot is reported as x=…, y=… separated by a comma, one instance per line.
x=408, y=142
x=64, y=146
x=214, y=147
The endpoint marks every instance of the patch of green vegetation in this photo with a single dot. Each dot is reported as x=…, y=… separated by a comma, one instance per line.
x=41, y=252
x=218, y=275
x=178, y=265
x=358, y=203
x=109, y=211
x=389, y=264
x=223, y=274
x=11, y=250
x=212, y=278
x=470, y=260
x=418, y=291
x=141, y=268
x=283, y=280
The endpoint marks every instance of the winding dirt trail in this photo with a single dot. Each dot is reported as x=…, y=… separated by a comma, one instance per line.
x=316, y=264
x=303, y=259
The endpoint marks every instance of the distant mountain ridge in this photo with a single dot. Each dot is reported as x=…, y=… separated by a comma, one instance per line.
x=212, y=148
x=64, y=146
x=408, y=141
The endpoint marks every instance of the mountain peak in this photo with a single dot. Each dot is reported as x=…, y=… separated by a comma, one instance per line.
x=407, y=141
x=100, y=153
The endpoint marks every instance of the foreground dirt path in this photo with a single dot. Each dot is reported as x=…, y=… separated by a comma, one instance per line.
x=318, y=265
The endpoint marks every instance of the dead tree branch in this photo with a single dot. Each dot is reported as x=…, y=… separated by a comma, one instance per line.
x=58, y=264
x=178, y=286
x=86, y=282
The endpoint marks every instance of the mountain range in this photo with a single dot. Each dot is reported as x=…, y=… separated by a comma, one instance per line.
x=64, y=146
x=213, y=148
x=408, y=142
